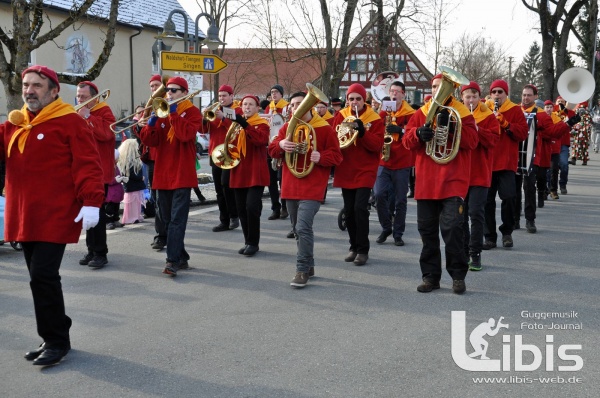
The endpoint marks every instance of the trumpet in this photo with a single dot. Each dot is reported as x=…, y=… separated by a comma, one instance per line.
x=101, y=97
x=158, y=93
x=210, y=112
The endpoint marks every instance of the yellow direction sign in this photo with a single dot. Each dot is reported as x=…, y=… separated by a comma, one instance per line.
x=187, y=62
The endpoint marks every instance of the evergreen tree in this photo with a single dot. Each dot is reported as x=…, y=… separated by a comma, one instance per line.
x=528, y=72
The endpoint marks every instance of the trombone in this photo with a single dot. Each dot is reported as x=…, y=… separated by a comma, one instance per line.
x=101, y=97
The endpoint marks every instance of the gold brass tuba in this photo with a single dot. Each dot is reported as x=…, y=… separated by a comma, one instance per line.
x=227, y=155
x=439, y=149
x=303, y=134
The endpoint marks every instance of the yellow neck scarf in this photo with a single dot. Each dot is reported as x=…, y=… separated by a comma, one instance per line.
x=507, y=105
x=99, y=105
x=55, y=109
x=368, y=116
x=454, y=103
x=253, y=120
x=279, y=105
x=481, y=112
x=181, y=107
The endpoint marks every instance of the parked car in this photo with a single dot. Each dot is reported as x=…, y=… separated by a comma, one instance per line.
x=202, y=140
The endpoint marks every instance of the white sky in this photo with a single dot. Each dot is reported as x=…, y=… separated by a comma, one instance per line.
x=507, y=22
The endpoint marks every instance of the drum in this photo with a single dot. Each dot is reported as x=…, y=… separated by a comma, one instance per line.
x=277, y=121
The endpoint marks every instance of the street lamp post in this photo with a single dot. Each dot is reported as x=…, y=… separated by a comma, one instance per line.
x=211, y=41
x=167, y=38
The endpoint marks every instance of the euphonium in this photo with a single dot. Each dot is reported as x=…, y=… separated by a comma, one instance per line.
x=226, y=155
x=439, y=149
x=210, y=112
x=303, y=134
x=346, y=130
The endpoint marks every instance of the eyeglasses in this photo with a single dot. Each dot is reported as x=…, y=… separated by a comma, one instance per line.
x=354, y=99
x=396, y=91
x=174, y=90
x=497, y=91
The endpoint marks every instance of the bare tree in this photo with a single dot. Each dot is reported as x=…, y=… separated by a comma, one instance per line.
x=437, y=15
x=28, y=19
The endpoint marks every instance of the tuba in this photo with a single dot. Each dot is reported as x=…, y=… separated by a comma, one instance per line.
x=227, y=155
x=575, y=85
x=303, y=134
x=439, y=148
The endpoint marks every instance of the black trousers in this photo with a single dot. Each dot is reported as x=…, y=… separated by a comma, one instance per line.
x=475, y=211
x=503, y=184
x=112, y=211
x=249, y=208
x=536, y=177
x=159, y=225
x=43, y=261
x=225, y=197
x=443, y=216
x=274, y=180
x=552, y=174
x=95, y=238
x=356, y=204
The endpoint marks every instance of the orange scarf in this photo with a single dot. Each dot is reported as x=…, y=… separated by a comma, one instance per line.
x=98, y=106
x=368, y=116
x=462, y=110
x=507, y=105
x=253, y=120
x=404, y=110
x=318, y=121
x=280, y=105
x=481, y=112
x=55, y=109
x=181, y=107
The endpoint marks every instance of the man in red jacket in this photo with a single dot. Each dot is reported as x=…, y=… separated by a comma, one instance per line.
x=565, y=130
x=304, y=194
x=99, y=117
x=488, y=131
x=393, y=174
x=513, y=129
x=174, y=137
x=357, y=173
x=47, y=134
x=440, y=191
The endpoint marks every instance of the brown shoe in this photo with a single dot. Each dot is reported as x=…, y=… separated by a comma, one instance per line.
x=427, y=286
x=361, y=259
x=458, y=286
x=350, y=257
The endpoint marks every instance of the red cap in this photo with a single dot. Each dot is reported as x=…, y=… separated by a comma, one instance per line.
x=155, y=78
x=358, y=89
x=226, y=88
x=42, y=70
x=254, y=97
x=472, y=85
x=88, y=83
x=548, y=102
x=499, y=83
x=559, y=98
x=427, y=98
x=180, y=81
x=438, y=76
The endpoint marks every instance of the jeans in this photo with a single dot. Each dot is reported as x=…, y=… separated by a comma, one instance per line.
x=445, y=216
x=563, y=165
x=503, y=183
x=356, y=203
x=249, y=208
x=174, y=207
x=388, y=182
x=225, y=197
x=302, y=215
x=43, y=261
x=474, y=210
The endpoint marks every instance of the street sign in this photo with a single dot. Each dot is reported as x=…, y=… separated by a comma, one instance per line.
x=186, y=62
x=194, y=81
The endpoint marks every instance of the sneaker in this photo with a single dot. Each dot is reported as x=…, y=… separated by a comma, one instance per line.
x=554, y=195
x=98, y=262
x=427, y=286
x=275, y=215
x=398, y=241
x=311, y=272
x=458, y=286
x=110, y=226
x=170, y=269
x=284, y=214
x=234, y=223
x=506, y=241
x=530, y=225
x=563, y=191
x=158, y=245
x=300, y=280
x=86, y=259
x=488, y=244
x=221, y=227
x=383, y=236
x=475, y=262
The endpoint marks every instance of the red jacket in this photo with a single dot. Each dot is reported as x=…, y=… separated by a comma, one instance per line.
x=58, y=172
x=217, y=129
x=175, y=163
x=361, y=159
x=546, y=132
x=482, y=157
x=400, y=157
x=564, y=131
x=253, y=169
x=311, y=187
x=100, y=120
x=436, y=181
x=506, y=153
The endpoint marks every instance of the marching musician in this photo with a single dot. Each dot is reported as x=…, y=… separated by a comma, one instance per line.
x=217, y=128
x=249, y=179
x=545, y=132
x=47, y=134
x=565, y=143
x=564, y=131
x=99, y=117
x=393, y=174
x=304, y=195
x=439, y=192
x=321, y=109
x=357, y=173
x=174, y=138
x=513, y=129
x=277, y=106
x=336, y=106
x=488, y=132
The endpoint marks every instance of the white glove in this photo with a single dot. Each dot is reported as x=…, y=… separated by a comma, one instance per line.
x=119, y=178
x=90, y=216
x=125, y=179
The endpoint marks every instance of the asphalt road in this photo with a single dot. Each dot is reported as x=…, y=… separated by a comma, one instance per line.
x=233, y=327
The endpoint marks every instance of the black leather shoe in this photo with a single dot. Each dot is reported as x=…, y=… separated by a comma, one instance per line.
x=250, y=250
x=86, y=259
x=398, y=242
x=243, y=249
x=158, y=245
x=221, y=227
x=31, y=355
x=383, y=236
x=507, y=241
x=275, y=215
x=234, y=223
x=458, y=286
x=98, y=262
x=489, y=244
x=284, y=214
x=291, y=234
x=50, y=356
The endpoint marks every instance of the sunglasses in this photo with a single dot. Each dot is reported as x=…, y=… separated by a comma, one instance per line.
x=354, y=98
x=497, y=91
x=174, y=90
